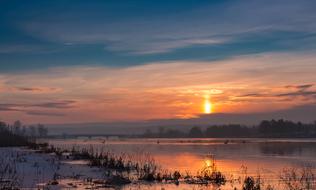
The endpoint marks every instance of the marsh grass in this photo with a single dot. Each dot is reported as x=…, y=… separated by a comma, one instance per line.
x=121, y=169
x=140, y=167
x=298, y=178
x=9, y=179
x=250, y=183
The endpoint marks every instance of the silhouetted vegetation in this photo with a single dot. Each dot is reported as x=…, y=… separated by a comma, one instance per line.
x=20, y=135
x=121, y=169
x=8, y=173
x=267, y=129
x=283, y=128
x=298, y=178
x=250, y=183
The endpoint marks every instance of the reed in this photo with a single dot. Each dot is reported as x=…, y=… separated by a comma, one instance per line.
x=298, y=178
x=121, y=169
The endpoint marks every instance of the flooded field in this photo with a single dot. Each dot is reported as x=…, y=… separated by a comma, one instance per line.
x=233, y=157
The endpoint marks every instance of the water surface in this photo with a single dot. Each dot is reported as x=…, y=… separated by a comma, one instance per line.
x=234, y=157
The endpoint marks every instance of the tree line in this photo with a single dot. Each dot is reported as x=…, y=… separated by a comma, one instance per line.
x=18, y=134
x=265, y=129
x=17, y=128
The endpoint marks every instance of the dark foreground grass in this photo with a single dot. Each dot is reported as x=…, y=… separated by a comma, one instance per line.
x=123, y=169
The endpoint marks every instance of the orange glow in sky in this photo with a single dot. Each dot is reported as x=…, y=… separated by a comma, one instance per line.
x=207, y=106
x=173, y=90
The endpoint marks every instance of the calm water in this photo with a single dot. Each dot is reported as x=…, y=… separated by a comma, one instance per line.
x=234, y=157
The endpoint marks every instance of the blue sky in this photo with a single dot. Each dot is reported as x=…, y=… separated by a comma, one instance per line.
x=89, y=61
x=42, y=34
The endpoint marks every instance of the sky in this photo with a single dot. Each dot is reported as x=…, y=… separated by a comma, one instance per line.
x=78, y=61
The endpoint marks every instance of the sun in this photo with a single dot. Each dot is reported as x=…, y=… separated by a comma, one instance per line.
x=207, y=106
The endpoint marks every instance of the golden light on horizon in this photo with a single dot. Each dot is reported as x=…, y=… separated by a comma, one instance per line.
x=208, y=163
x=207, y=106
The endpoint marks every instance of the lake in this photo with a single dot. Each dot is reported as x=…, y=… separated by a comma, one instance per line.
x=234, y=157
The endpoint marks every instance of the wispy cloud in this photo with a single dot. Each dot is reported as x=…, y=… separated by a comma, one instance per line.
x=59, y=104
x=50, y=105
x=289, y=93
x=14, y=48
x=36, y=89
x=8, y=107
x=300, y=87
x=205, y=25
x=166, y=90
x=299, y=93
x=41, y=113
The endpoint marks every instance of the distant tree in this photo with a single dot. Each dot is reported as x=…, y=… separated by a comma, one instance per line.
x=8, y=136
x=284, y=128
x=195, y=132
x=267, y=128
x=173, y=133
x=148, y=133
x=17, y=127
x=264, y=127
x=41, y=130
x=64, y=135
x=161, y=131
x=23, y=132
x=32, y=131
x=3, y=126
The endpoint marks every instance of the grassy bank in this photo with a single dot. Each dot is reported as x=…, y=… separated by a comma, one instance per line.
x=123, y=169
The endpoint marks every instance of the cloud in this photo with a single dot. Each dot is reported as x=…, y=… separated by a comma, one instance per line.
x=300, y=87
x=58, y=104
x=301, y=90
x=255, y=95
x=37, y=89
x=8, y=107
x=299, y=93
x=14, y=48
x=163, y=45
x=49, y=105
x=27, y=48
x=241, y=84
x=44, y=110
x=41, y=113
x=201, y=25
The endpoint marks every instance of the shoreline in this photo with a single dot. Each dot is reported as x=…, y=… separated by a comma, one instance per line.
x=59, y=169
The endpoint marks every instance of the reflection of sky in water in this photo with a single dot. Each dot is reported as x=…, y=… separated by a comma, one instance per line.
x=259, y=156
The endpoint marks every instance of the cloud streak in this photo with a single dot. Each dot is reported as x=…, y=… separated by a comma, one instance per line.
x=165, y=90
x=8, y=107
x=49, y=105
x=58, y=105
x=299, y=93
x=36, y=89
x=204, y=25
x=41, y=113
